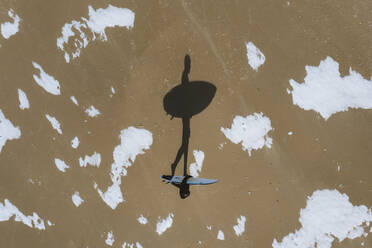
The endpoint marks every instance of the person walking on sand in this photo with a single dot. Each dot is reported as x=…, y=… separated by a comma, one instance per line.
x=184, y=101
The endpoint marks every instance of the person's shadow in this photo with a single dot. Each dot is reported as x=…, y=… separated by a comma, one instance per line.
x=184, y=101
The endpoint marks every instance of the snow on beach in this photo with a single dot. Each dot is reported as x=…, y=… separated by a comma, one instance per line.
x=76, y=199
x=55, y=123
x=131, y=245
x=240, y=227
x=220, y=235
x=7, y=210
x=92, y=111
x=328, y=215
x=164, y=224
x=9, y=29
x=47, y=82
x=92, y=28
x=255, y=57
x=134, y=141
x=73, y=99
x=110, y=239
x=75, y=142
x=142, y=220
x=195, y=168
x=7, y=130
x=61, y=165
x=23, y=101
x=112, y=91
x=327, y=93
x=252, y=131
x=93, y=160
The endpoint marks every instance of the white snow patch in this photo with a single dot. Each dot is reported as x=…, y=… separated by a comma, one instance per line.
x=328, y=215
x=196, y=167
x=252, y=131
x=112, y=91
x=92, y=111
x=23, y=101
x=110, y=239
x=240, y=227
x=164, y=224
x=255, y=57
x=142, y=220
x=75, y=142
x=131, y=245
x=73, y=99
x=326, y=92
x=7, y=210
x=47, y=82
x=61, y=165
x=93, y=160
x=7, y=130
x=55, y=123
x=133, y=142
x=76, y=199
x=220, y=235
x=92, y=28
x=9, y=29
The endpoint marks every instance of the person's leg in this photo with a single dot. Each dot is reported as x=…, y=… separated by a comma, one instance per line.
x=180, y=150
x=185, y=153
x=185, y=139
x=184, y=146
x=178, y=158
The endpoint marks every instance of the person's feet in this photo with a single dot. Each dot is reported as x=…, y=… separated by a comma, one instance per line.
x=172, y=179
x=186, y=177
x=173, y=168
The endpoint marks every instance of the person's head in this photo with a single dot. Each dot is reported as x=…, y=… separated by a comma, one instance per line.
x=187, y=63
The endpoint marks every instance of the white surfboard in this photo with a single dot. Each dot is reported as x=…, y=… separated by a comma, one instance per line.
x=191, y=180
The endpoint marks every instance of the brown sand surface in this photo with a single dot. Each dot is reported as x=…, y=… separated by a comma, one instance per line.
x=269, y=187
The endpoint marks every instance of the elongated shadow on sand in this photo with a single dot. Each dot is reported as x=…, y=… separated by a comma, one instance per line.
x=184, y=101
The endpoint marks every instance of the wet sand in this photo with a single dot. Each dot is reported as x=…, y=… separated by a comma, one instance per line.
x=142, y=64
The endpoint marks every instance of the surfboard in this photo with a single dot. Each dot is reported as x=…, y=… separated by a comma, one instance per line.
x=191, y=180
